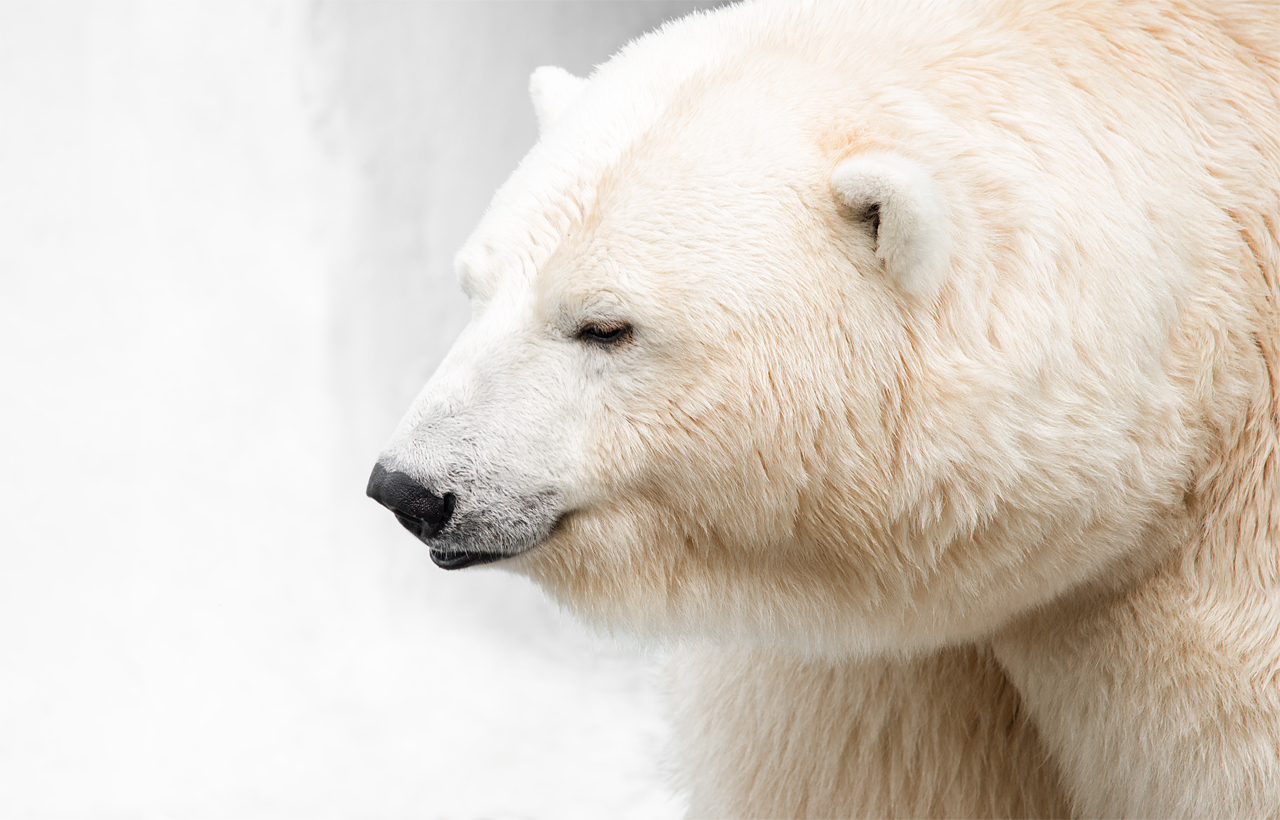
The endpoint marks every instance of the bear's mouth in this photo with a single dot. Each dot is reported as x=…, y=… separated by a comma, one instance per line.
x=454, y=558
x=459, y=559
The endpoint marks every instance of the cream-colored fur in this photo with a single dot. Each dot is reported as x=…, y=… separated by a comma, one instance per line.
x=992, y=536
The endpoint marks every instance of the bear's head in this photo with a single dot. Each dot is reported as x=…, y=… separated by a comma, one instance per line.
x=760, y=350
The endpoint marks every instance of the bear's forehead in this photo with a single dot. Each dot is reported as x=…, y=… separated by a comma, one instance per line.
x=686, y=97
x=702, y=109
x=705, y=173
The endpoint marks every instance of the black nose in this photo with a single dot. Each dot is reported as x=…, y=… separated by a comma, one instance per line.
x=421, y=511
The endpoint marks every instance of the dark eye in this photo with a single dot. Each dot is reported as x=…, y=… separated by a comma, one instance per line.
x=604, y=334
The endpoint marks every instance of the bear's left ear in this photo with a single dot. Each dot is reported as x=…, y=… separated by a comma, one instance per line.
x=552, y=90
x=907, y=213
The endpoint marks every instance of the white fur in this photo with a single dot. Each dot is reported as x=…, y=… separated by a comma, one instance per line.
x=552, y=90
x=913, y=240
x=1030, y=520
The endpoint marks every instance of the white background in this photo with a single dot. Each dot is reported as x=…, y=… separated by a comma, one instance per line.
x=226, y=233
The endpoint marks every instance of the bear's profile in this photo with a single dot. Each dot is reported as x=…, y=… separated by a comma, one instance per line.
x=913, y=367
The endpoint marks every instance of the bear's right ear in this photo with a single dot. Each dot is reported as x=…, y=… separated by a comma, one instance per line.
x=907, y=214
x=553, y=90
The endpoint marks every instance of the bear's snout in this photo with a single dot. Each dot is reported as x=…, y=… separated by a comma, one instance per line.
x=424, y=514
x=421, y=511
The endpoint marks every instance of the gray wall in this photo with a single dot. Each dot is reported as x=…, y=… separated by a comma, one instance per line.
x=225, y=244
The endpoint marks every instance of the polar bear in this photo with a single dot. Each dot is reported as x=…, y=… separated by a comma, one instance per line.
x=913, y=368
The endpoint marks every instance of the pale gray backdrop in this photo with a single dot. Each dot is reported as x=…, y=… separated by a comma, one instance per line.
x=226, y=233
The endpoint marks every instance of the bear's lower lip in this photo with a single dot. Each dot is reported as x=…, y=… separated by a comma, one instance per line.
x=458, y=559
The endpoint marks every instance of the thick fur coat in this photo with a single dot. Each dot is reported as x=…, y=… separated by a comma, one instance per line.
x=914, y=366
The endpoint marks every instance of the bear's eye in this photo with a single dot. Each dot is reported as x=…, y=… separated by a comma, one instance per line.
x=604, y=334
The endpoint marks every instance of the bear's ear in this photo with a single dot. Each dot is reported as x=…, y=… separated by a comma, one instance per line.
x=552, y=90
x=907, y=214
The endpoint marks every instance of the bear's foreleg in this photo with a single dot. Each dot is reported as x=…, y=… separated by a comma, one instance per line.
x=1163, y=702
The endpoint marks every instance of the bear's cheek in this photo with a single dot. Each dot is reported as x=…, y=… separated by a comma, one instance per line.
x=692, y=438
